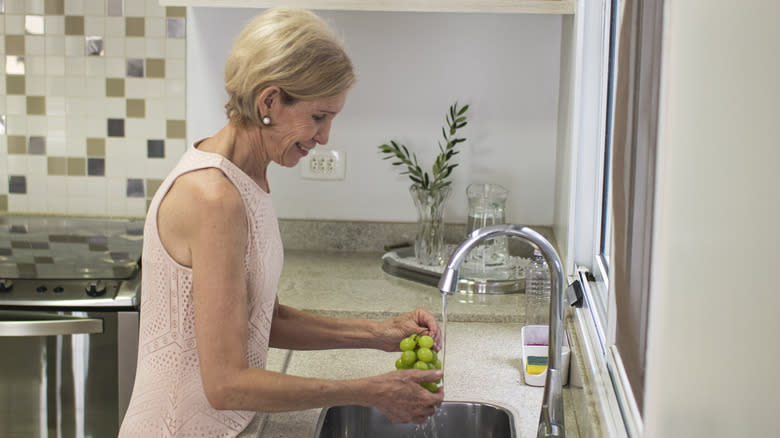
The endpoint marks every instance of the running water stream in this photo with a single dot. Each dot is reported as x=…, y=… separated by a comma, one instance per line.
x=443, y=349
x=430, y=429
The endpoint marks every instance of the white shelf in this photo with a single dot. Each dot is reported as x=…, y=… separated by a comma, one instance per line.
x=487, y=6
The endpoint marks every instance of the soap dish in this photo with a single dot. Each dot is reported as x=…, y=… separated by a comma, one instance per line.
x=534, y=339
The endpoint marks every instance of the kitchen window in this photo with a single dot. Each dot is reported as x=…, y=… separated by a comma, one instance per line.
x=617, y=159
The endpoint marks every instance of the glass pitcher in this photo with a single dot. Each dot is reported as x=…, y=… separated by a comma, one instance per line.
x=486, y=207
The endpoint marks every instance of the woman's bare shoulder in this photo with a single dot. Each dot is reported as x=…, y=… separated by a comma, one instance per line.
x=200, y=205
x=206, y=190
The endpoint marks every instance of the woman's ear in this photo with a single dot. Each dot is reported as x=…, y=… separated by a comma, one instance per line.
x=267, y=100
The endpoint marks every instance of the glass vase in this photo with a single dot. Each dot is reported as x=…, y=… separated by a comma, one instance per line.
x=429, y=242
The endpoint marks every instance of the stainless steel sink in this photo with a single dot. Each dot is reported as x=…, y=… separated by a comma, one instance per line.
x=452, y=420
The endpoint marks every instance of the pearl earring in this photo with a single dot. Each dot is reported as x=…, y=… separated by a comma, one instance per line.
x=266, y=120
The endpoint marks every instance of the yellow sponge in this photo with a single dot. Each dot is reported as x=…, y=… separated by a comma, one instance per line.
x=535, y=369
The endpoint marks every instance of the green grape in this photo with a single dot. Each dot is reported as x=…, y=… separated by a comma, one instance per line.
x=430, y=386
x=420, y=365
x=425, y=341
x=417, y=353
x=408, y=358
x=408, y=344
x=424, y=354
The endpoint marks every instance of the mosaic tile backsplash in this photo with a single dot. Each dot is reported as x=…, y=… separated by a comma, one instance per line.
x=92, y=104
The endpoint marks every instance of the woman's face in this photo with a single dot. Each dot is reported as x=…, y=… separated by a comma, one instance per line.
x=296, y=129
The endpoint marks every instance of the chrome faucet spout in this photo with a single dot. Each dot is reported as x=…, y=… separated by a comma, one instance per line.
x=551, y=418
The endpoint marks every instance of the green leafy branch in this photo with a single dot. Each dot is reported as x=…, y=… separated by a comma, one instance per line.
x=442, y=167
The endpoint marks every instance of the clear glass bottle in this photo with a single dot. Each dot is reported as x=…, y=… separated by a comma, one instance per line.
x=537, y=291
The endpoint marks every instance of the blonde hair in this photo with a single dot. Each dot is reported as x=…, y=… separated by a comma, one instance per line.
x=293, y=49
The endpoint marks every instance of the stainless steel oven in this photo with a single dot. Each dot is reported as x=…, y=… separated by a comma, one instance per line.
x=69, y=294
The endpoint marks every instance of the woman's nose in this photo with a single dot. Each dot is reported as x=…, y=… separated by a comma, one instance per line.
x=321, y=137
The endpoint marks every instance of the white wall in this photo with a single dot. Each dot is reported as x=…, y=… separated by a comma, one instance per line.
x=411, y=67
x=713, y=354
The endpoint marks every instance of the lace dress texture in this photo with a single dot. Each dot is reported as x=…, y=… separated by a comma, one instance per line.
x=168, y=397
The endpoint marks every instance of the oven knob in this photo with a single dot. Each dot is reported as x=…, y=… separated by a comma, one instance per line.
x=96, y=288
x=59, y=289
x=6, y=285
x=41, y=289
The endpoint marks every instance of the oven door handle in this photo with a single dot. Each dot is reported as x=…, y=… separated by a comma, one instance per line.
x=34, y=324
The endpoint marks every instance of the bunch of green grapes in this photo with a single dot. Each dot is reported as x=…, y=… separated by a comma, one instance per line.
x=417, y=352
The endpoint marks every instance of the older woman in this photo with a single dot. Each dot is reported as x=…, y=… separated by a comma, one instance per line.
x=213, y=255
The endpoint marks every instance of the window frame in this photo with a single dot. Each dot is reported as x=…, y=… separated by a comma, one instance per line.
x=638, y=26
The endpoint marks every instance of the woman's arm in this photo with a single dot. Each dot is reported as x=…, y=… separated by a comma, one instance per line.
x=299, y=330
x=397, y=394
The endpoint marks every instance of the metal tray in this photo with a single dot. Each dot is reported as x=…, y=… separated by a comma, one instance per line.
x=400, y=263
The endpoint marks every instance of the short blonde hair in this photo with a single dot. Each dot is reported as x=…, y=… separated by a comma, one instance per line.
x=293, y=49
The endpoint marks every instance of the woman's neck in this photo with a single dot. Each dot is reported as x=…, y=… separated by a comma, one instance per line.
x=244, y=148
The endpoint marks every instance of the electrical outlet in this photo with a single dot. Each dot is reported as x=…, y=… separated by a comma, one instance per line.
x=323, y=163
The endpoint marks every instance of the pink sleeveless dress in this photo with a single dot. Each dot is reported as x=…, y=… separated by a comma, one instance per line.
x=168, y=398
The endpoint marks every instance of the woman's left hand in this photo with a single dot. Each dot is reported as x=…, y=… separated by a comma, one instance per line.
x=419, y=321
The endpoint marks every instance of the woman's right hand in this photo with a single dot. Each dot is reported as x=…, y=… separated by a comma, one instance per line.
x=400, y=397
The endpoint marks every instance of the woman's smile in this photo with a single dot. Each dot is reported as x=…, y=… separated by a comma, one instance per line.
x=303, y=149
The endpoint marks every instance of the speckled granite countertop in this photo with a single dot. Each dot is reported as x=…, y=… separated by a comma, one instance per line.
x=353, y=284
x=483, y=337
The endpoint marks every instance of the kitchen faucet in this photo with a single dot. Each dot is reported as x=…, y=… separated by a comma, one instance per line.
x=551, y=418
